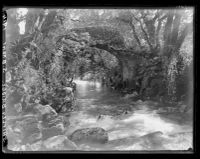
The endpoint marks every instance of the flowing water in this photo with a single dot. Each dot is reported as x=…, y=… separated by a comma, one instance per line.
x=142, y=128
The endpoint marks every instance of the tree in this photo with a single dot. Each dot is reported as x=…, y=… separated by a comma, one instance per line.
x=157, y=33
x=39, y=69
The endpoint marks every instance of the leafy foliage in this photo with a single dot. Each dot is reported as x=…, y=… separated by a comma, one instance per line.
x=39, y=68
x=134, y=48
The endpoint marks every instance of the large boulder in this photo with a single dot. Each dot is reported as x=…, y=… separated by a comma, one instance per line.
x=180, y=141
x=59, y=142
x=49, y=117
x=54, y=126
x=51, y=123
x=44, y=109
x=37, y=146
x=13, y=138
x=49, y=120
x=50, y=132
x=27, y=130
x=94, y=135
x=127, y=96
x=13, y=98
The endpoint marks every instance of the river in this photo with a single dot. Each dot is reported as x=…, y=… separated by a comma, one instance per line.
x=170, y=132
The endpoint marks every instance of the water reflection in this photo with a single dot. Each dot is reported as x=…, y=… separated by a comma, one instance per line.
x=86, y=88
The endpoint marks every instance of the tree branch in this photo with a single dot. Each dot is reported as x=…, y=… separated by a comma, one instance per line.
x=168, y=29
x=182, y=36
x=175, y=28
x=129, y=22
x=135, y=35
x=42, y=21
x=145, y=34
x=160, y=20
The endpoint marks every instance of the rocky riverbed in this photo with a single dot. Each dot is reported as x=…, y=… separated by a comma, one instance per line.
x=102, y=121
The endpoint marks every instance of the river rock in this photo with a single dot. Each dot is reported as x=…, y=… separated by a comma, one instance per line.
x=37, y=146
x=49, y=118
x=59, y=142
x=134, y=94
x=60, y=122
x=153, y=141
x=94, y=135
x=28, y=129
x=45, y=109
x=13, y=139
x=139, y=102
x=65, y=121
x=180, y=141
x=50, y=132
x=152, y=135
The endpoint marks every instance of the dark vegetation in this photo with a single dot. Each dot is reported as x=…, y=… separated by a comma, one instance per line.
x=143, y=51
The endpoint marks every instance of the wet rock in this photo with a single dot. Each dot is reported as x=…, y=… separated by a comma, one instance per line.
x=28, y=130
x=60, y=142
x=12, y=99
x=122, y=141
x=180, y=141
x=153, y=141
x=53, y=125
x=37, y=146
x=60, y=122
x=34, y=137
x=50, y=132
x=150, y=141
x=16, y=147
x=139, y=102
x=45, y=109
x=13, y=139
x=181, y=135
x=152, y=135
x=134, y=94
x=49, y=118
x=65, y=121
x=89, y=135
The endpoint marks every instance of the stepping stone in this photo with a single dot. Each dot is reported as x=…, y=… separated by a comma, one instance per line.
x=89, y=135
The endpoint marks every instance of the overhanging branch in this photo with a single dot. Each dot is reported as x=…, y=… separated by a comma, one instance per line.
x=145, y=34
x=184, y=33
x=129, y=22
